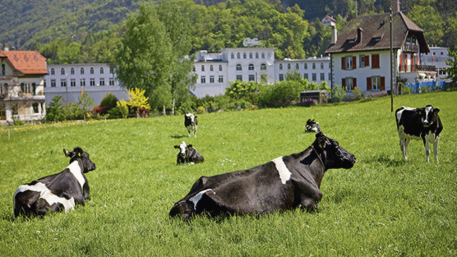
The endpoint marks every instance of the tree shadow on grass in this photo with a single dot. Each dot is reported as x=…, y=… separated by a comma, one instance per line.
x=386, y=160
x=178, y=136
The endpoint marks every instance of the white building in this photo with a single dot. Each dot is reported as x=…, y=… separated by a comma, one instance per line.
x=215, y=71
x=437, y=57
x=71, y=80
x=21, y=86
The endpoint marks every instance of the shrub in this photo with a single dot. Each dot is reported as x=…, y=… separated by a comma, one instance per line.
x=283, y=93
x=100, y=110
x=17, y=122
x=115, y=113
x=109, y=101
x=357, y=93
x=55, y=110
x=338, y=93
x=201, y=110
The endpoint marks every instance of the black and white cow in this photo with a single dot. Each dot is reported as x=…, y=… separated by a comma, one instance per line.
x=312, y=126
x=188, y=154
x=190, y=121
x=56, y=192
x=284, y=183
x=419, y=123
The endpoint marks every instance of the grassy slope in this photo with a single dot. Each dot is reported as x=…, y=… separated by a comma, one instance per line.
x=383, y=206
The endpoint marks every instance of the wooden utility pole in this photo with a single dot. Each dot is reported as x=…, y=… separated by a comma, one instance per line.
x=391, y=67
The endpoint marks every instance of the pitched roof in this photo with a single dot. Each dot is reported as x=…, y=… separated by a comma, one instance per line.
x=26, y=62
x=376, y=34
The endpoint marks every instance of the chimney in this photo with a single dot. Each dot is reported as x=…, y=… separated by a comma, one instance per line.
x=395, y=6
x=6, y=47
x=359, y=34
x=334, y=34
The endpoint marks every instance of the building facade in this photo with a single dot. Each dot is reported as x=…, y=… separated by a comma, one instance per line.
x=437, y=57
x=22, y=86
x=215, y=71
x=71, y=80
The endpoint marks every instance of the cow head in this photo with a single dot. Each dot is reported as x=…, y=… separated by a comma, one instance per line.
x=334, y=156
x=183, y=154
x=312, y=126
x=190, y=117
x=79, y=155
x=428, y=115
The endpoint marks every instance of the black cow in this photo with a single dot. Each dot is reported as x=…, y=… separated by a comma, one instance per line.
x=190, y=121
x=56, y=192
x=284, y=183
x=312, y=126
x=419, y=123
x=188, y=154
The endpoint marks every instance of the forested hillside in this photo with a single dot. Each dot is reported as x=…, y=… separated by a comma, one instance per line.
x=86, y=30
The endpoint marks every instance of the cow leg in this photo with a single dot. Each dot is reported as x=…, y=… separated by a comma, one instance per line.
x=309, y=195
x=195, y=131
x=188, y=131
x=427, y=149
x=405, y=154
x=435, y=148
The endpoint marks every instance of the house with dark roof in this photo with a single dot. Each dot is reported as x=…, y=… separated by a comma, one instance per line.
x=360, y=57
x=21, y=86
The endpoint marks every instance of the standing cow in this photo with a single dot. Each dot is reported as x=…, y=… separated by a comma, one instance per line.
x=56, y=192
x=419, y=123
x=188, y=154
x=284, y=183
x=190, y=121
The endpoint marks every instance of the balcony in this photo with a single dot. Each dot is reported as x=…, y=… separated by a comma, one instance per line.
x=410, y=48
x=416, y=68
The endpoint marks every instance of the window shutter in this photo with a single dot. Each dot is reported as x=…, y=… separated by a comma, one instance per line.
x=354, y=82
x=375, y=61
x=368, y=83
x=343, y=83
x=354, y=62
x=383, y=83
x=343, y=63
x=367, y=60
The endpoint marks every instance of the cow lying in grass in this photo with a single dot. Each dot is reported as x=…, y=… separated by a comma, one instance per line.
x=56, y=192
x=284, y=183
x=188, y=154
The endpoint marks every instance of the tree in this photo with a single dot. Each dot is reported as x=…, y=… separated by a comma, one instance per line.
x=123, y=107
x=85, y=103
x=452, y=70
x=428, y=19
x=138, y=100
x=55, y=110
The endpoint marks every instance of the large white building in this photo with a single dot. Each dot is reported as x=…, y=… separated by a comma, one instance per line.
x=71, y=80
x=437, y=57
x=215, y=71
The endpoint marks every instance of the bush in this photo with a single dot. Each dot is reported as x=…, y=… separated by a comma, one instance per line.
x=404, y=89
x=357, y=93
x=115, y=113
x=100, y=110
x=283, y=93
x=17, y=122
x=109, y=101
x=55, y=110
x=338, y=93
x=201, y=110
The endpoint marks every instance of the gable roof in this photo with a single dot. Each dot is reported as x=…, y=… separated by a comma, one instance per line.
x=375, y=34
x=26, y=62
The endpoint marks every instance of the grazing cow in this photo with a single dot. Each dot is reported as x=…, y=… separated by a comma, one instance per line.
x=56, y=192
x=284, y=183
x=190, y=121
x=312, y=126
x=417, y=123
x=188, y=154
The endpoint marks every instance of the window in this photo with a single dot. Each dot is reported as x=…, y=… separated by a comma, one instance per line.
x=220, y=67
x=314, y=66
x=102, y=82
x=314, y=77
x=322, y=65
x=347, y=83
x=251, y=67
x=232, y=56
x=280, y=66
x=362, y=61
x=35, y=107
x=257, y=55
x=82, y=71
x=72, y=71
x=111, y=81
x=239, y=77
x=4, y=89
x=251, y=77
x=53, y=83
x=211, y=79
x=238, y=56
x=101, y=70
x=263, y=55
x=288, y=66
x=375, y=61
x=211, y=68
x=250, y=55
x=348, y=63
x=281, y=77
x=306, y=66
x=92, y=82
x=3, y=70
x=82, y=82
x=263, y=78
x=91, y=70
x=111, y=70
x=244, y=55
x=221, y=79
x=62, y=71
x=193, y=68
x=322, y=76
x=203, y=67
x=63, y=83
x=376, y=83
x=263, y=66
x=297, y=66
x=239, y=67
x=73, y=83
x=203, y=79
x=305, y=75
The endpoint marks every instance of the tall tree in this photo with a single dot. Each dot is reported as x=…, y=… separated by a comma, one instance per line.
x=428, y=19
x=452, y=70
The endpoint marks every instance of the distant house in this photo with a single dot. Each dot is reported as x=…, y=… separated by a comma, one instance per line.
x=21, y=86
x=361, y=55
x=437, y=57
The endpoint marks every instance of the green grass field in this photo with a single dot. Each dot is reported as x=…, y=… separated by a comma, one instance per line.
x=382, y=206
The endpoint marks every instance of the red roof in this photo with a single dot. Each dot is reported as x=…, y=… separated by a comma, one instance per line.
x=26, y=62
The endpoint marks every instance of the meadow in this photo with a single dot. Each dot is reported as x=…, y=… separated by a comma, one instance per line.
x=384, y=205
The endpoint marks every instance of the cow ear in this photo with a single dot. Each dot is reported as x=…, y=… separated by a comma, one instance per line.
x=189, y=146
x=176, y=146
x=436, y=110
x=66, y=153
